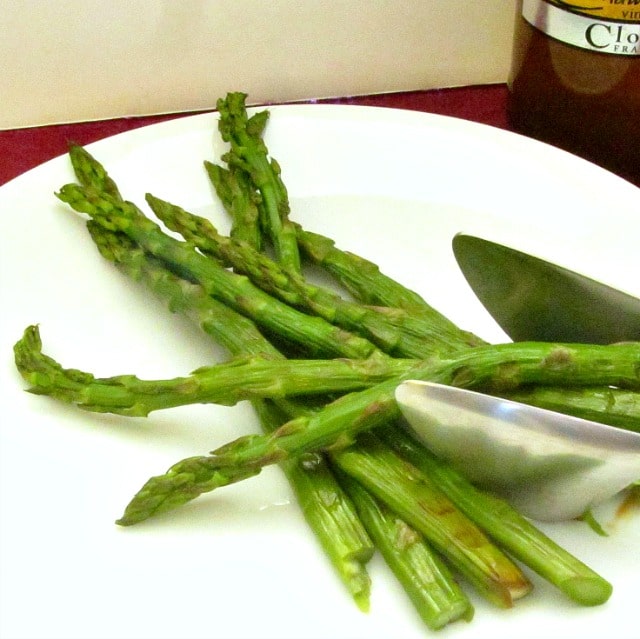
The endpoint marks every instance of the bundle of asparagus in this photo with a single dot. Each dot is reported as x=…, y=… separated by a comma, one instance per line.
x=320, y=371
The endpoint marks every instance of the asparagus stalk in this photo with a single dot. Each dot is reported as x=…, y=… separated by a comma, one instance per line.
x=513, y=532
x=424, y=576
x=606, y=404
x=544, y=562
x=395, y=331
x=249, y=152
x=235, y=192
x=328, y=510
x=337, y=424
x=410, y=493
x=242, y=378
x=313, y=334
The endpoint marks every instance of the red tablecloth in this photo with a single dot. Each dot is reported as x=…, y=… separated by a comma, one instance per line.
x=23, y=149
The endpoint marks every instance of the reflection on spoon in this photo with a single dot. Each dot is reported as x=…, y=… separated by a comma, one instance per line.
x=550, y=466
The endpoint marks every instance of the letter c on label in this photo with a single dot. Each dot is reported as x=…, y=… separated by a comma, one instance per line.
x=588, y=34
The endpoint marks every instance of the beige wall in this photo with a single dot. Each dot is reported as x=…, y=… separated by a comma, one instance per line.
x=69, y=60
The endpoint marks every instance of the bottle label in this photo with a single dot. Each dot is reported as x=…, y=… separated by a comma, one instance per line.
x=606, y=26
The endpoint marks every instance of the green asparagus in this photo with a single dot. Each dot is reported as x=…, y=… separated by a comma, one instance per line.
x=504, y=524
x=313, y=334
x=327, y=509
x=429, y=589
x=424, y=576
x=249, y=152
x=336, y=425
x=396, y=331
x=242, y=378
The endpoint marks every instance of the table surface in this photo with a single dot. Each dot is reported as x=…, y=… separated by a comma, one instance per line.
x=23, y=149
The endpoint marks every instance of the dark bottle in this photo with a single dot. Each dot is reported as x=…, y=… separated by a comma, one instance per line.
x=575, y=79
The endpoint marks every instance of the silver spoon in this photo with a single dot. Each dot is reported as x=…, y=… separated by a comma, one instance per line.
x=532, y=299
x=550, y=466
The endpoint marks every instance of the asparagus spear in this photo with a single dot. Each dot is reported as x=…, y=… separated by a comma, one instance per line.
x=503, y=523
x=424, y=576
x=249, y=152
x=328, y=510
x=606, y=404
x=337, y=424
x=242, y=378
x=395, y=331
x=235, y=192
x=228, y=383
x=313, y=334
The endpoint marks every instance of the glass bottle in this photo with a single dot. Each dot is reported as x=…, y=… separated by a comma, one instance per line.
x=575, y=79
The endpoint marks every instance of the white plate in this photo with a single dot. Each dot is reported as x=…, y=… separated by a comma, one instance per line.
x=391, y=185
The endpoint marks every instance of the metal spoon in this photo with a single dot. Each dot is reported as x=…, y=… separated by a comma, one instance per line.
x=532, y=299
x=550, y=466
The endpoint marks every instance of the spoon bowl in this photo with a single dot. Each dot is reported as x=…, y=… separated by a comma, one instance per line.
x=550, y=466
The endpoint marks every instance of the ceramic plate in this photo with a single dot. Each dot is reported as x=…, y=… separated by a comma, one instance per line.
x=393, y=186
